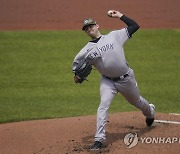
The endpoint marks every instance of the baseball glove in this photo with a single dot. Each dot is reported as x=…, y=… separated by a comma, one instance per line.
x=82, y=70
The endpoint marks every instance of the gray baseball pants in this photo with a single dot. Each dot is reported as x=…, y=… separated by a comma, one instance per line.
x=108, y=89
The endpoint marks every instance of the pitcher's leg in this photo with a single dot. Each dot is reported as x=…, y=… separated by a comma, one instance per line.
x=130, y=91
x=107, y=92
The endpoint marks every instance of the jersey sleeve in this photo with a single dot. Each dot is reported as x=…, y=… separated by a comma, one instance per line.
x=121, y=35
x=77, y=59
x=81, y=55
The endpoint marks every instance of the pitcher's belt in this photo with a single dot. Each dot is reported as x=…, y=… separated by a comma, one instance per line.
x=117, y=78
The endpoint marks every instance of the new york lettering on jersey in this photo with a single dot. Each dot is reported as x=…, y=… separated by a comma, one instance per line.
x=106, y=47
x=99, y=52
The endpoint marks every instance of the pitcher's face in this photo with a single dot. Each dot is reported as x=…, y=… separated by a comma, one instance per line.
x=92, y=31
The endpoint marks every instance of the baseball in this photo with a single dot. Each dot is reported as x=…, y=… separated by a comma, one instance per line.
x=109, y=13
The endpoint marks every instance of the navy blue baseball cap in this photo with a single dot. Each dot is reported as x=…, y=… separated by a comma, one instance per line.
x=88, y=22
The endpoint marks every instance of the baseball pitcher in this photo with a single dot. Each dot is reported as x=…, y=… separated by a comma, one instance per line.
x=106, y=54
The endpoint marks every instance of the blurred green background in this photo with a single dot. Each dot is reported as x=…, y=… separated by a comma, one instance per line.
x=36, y=80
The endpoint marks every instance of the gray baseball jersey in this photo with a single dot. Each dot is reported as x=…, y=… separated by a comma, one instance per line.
x=107, y=54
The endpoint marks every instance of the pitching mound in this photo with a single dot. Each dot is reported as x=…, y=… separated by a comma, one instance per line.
x=76, y=135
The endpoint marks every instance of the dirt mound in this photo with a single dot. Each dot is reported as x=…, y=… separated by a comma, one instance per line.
x=76, y=135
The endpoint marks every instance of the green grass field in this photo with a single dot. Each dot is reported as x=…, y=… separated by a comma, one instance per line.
x=36, y=81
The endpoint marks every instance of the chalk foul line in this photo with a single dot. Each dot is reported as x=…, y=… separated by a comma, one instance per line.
x=167, y=122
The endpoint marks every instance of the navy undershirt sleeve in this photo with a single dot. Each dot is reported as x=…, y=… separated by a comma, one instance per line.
x=132, y=25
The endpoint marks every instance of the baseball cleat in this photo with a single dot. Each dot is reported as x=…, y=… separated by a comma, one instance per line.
x=149, y=121
x=96, y=146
